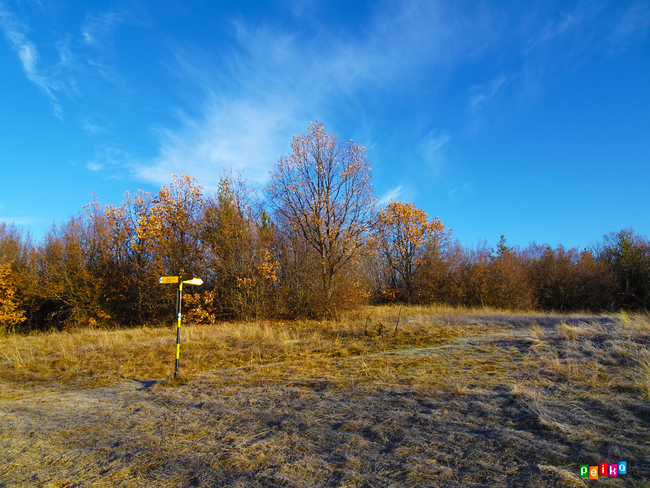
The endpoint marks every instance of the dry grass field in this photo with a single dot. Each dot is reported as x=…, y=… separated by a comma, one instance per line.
x=386, y=396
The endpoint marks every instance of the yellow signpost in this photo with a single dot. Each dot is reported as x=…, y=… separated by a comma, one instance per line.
x=189, y=279
x=168, y=279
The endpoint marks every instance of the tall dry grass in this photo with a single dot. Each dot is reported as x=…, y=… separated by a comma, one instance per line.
x=91, y=357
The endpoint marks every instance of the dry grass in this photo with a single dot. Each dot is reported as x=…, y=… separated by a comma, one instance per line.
x=94, y=357
x=452, y=398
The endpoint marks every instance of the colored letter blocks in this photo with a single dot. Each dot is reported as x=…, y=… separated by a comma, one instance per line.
x=603, y=469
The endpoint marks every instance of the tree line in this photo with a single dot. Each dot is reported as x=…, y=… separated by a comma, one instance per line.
x=314, y=243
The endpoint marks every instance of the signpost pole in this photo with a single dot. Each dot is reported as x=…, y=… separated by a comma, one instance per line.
x=180, y=279
x=179, y=298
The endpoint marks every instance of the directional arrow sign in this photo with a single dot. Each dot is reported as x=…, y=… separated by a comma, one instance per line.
x=185, y=278
x=168, y=279
x=194, y=281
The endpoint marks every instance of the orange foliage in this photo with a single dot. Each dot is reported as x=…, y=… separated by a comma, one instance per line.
x=201, y=307
x=170, y=226
x=322, y=192
x=10, y=311
x=402, y=233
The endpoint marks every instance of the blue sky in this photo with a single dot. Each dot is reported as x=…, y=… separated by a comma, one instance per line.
x=527, y=119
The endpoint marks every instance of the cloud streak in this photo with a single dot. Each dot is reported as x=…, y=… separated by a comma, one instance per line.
x=16, y=33
x=233, y=135
x=275, y=82
x=430, y=150
x=21, y=221
x=634, y=24
x=389, y=196
x=90, y=53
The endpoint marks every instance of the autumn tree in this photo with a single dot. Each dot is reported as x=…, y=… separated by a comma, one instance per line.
x=299, y=288
x=13, y=248
x=104, y=265
x=570, y=280
x=238, y=243
x=474, y=276
x=439, y=279
x=131, y=266
x=170, y=226
x=322, y=191
x=597, y=283
x=70, y=291
x=15, y=277
x=10, y=312
x=402, y=233
x=628, y=256
x=509, y=284
x=145, y=237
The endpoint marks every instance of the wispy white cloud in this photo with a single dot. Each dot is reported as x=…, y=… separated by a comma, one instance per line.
x=108, y=158
x=634, y=25
x=545, y=41
x=430, y=150
x=96, y=43
x=557, y=44
x=94, y=165
x=483, y=100
x=480, y=95
x=16, y=33
x=67, y=58
x=275, y=83
x=92, y=129
x=21, y=221
x=460, y=192
x=553, y=29
x=234, y=135
x=91, y=53
x=391, y=195
x=98, y=29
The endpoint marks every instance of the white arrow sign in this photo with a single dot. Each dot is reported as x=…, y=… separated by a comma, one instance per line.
x=194, y=281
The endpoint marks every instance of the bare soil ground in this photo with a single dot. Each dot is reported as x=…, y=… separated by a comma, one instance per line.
x=451, y=399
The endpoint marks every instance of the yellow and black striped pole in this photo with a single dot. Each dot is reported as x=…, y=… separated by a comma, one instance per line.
x=180, y=279
x=179, y=299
